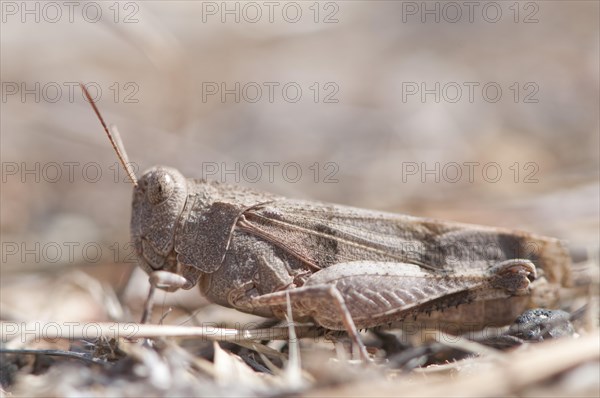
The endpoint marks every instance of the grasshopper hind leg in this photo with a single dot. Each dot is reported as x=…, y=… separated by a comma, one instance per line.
x=303, y=298
x=363, y=294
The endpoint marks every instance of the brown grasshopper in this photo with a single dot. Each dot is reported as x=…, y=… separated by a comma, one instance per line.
x=339, y=267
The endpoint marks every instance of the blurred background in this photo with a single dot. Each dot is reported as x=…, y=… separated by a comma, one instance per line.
x=485, y=114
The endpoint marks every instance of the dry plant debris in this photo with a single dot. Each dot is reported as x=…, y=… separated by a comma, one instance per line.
x=543, y=353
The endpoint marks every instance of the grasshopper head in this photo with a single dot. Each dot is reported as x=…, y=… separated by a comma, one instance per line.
x=158, y=200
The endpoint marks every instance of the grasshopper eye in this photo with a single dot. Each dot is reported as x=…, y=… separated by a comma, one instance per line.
x=160, y=187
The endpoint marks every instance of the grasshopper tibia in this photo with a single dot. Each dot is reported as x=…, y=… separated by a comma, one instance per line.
x=162, y=280
x=321, y=293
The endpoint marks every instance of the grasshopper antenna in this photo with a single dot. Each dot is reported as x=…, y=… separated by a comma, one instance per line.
x=114, y=137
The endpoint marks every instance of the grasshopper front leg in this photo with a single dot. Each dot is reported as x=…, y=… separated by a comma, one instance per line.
x=367, y=294
x=160, y=280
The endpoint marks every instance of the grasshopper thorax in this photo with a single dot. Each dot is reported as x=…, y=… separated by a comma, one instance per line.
x=158, y=201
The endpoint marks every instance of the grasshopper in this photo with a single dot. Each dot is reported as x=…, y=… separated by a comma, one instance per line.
x=340, y=267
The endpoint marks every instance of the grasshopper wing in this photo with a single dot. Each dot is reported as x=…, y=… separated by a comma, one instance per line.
x=321, y=234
